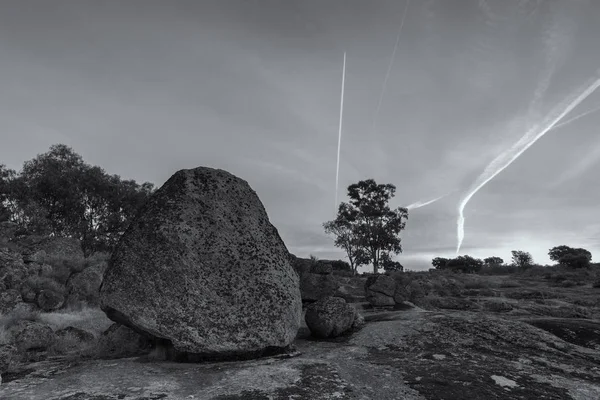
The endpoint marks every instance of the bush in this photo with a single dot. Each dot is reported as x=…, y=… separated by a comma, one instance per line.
x=498, y=270
x=39, y=283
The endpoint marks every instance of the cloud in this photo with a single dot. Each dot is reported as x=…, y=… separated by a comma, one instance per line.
x=583, y=165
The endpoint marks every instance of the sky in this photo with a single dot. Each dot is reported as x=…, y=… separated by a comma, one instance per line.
x=144, y=88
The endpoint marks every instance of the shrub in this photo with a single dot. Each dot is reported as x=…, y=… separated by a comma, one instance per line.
x=39, y=283
x=496, y=269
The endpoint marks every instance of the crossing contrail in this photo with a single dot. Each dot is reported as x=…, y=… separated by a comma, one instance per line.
x=575, y=118
x=419, y=204
x=337, y=171
x=389, y=70
x=509, y=156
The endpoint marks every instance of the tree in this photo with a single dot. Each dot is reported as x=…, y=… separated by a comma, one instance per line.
x=440, y=262
x=390, y=265
x=345, y=239
x=521, y=259
x=493, y=261
x=571, y=257
x=6, y=177
x=57, y=193
x=372, y=226
x=466, y=264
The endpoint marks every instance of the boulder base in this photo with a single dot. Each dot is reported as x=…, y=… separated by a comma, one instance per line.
x=202, y=269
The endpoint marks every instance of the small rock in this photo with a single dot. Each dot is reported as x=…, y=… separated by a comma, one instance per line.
x=49, y=300
x=330, y=317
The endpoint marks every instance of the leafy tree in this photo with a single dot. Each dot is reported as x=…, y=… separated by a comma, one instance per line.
x=571, y=257
x=493, y=261
x=440, y=262
x=390, y=265
x=521, y=259
x=6, y=177
x=58, y=193
x=575, y=260
x=345, y=239
x=465, y=264
x=373, y=227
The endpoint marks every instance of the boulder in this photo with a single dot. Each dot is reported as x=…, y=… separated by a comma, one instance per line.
x=49, y=300
x=202, y=269
x=330, y=317
x=300, y=265
x=28, y=293
x=380, y=290
x=321, y=268
x=28, y=335
x=9, y=300
x=8, y=353
x=83, y=287
x=120, y=341
x=316, y=286
x=34, y=256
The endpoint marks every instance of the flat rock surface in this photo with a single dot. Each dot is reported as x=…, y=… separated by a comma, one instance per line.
x=412, y=354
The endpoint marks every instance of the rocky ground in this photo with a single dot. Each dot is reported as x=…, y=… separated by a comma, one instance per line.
x=399, y=354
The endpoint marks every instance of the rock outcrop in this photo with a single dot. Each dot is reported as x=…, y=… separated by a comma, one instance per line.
x=331, y=317
x=202, y=270
x=380, y=290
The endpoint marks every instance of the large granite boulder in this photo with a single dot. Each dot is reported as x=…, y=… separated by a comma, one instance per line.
x=331, y=317
x=202, y=269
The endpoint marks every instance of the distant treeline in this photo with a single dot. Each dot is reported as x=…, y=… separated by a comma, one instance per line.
x=57, y=193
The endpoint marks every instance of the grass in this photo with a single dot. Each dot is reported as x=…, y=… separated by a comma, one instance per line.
x=89, y=319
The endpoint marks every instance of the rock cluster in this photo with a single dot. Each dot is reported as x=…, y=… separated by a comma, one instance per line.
x=24, y=263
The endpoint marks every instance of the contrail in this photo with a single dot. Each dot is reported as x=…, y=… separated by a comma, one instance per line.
x=419, y=204
x=575, y=118
x=389, y=70
x=509, y=156
x=337, y=171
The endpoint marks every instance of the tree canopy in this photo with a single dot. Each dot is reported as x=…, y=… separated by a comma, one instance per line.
x=521, y=259
x=58, y=193
x=366, y=227
x=571, y=257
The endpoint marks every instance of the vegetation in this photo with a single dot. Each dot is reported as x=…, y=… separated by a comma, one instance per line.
x=58, y=194
x=570, y=257
x=493, y=261
x=521, y=259
x=366, y=227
